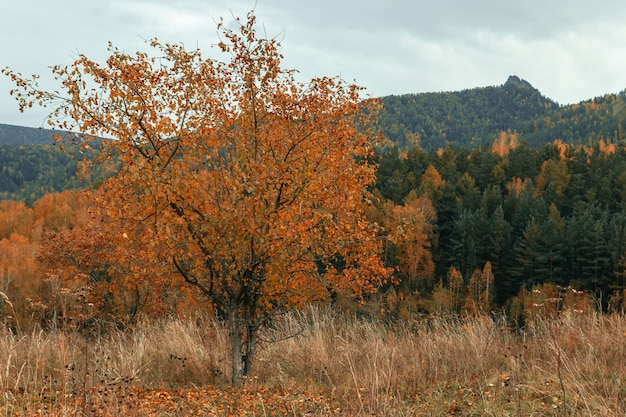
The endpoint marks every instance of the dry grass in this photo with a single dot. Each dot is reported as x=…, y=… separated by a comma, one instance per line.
x=572, y=365
x=334, y=364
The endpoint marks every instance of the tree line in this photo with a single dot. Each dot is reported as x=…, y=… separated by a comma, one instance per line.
x=550, y=214
x=553, y=214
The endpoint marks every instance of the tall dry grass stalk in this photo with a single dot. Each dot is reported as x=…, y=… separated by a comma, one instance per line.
x=47, y=367
x=570, y=365
x=444, y=365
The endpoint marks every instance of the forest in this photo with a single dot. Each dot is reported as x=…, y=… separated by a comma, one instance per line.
x=475, y=117
x=541, y=207
x=547, y=215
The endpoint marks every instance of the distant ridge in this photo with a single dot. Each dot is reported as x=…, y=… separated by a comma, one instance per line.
x=467, y=118
x=19, y=135
x=475, y=117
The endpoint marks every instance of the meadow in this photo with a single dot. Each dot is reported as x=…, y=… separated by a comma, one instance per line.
x=318, y=363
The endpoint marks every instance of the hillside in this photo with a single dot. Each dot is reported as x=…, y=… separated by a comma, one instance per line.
x=467, y=118
x=474, y=117
x=464, y=119
x=32, y=166
x=553, y=213
x=20, y=135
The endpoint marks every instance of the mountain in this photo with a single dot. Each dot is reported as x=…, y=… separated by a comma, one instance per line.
x=474, y=117
x=19, y=135
x=28, y=172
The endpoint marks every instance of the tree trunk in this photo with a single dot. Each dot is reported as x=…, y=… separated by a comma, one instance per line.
x=236, y=344
x=243, y=343
x=248, y=357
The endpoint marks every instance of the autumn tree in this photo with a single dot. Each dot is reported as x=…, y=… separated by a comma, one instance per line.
x=457, y=288
x=553, y=173
x=59, y=210
x=480, y=291
x=18, y=278
x=450, y=296
x=411, y=229
x=432, y=183
x=15, y=218
x=248, y=183
x=102, y=273
x=505, y=142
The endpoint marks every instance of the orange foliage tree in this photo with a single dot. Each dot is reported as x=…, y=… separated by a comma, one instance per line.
x=250, y=184
x=57, y=211
x=18, y=278
x=18, y=249
x=432, y=184
x=15, y=218
x=102, y=280
x=449, y=297
x=553, y=173
x=411, y=228
x=480, y=291
x=505, y=142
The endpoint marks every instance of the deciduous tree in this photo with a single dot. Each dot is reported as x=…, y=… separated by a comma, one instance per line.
x=480, y=289
x=411, y=229
x=249, y=183
x=553, y=172
x=101, y=270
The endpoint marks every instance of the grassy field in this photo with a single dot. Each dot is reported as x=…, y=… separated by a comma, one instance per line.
x=319, y=363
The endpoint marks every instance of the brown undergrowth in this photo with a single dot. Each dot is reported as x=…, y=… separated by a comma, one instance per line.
x=318, y=363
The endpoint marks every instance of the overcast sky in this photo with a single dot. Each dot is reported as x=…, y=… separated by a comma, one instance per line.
x=571, y=50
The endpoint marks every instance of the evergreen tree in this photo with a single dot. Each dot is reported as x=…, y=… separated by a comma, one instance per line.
x=447, y=212
x=524, y=271
x=617, y=247
x=498, y=247
x=469, y=239
x=551, y=253
x=589, y=254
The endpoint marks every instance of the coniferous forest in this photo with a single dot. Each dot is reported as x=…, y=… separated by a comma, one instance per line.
x=552, y=214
